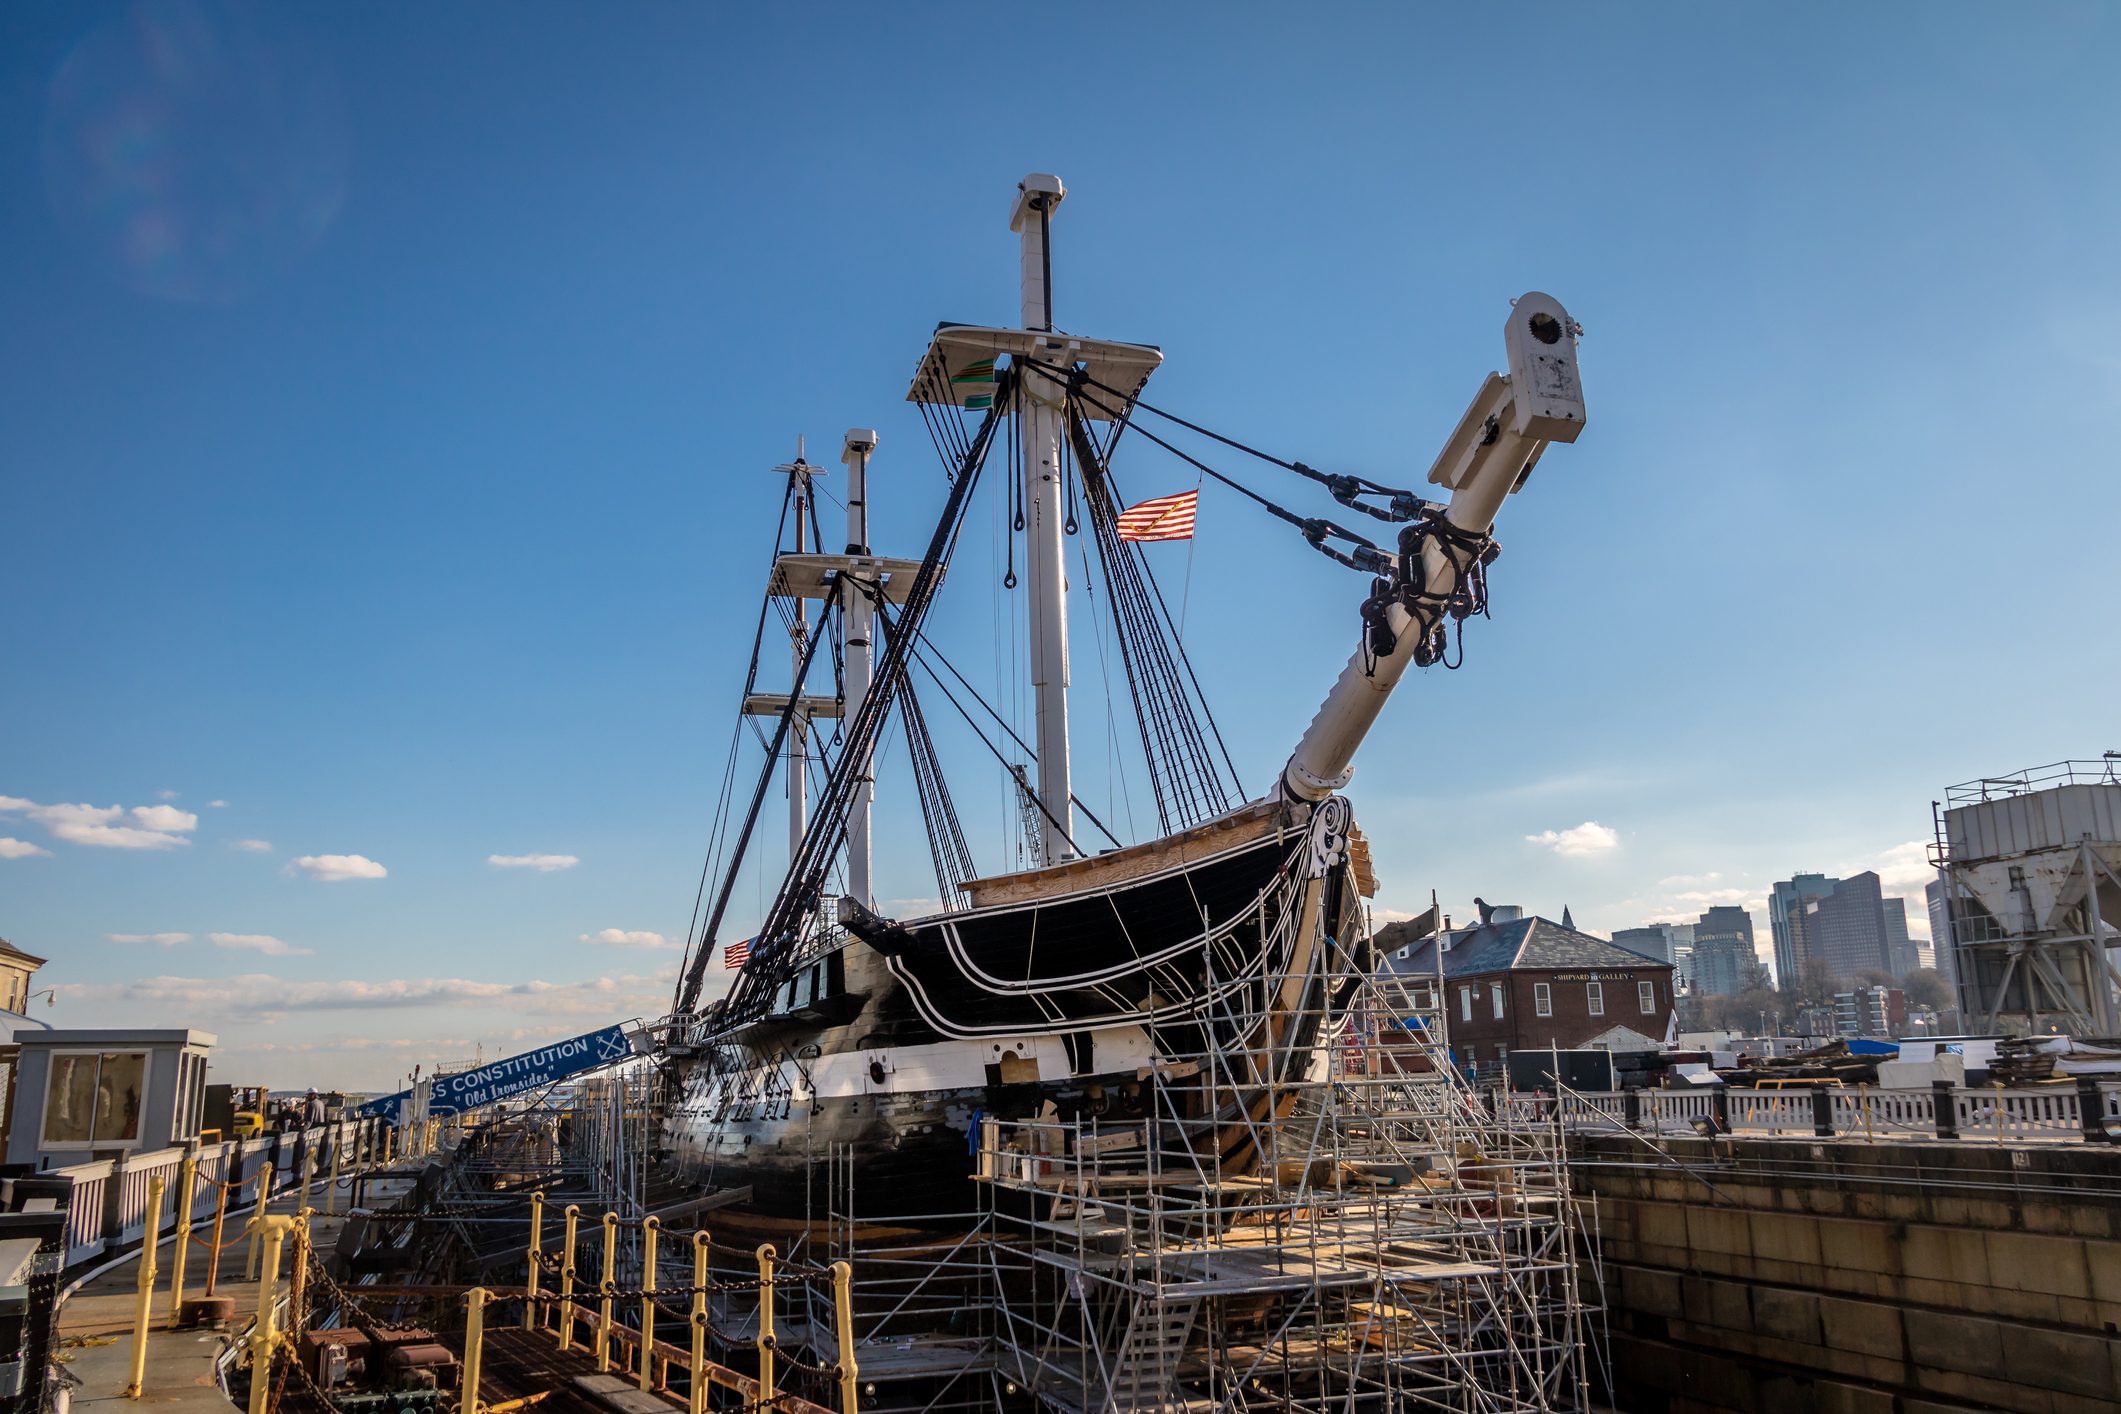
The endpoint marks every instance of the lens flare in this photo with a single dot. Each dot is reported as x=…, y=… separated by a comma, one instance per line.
x=193, y=150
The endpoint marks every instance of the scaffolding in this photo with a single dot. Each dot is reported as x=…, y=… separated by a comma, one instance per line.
x=1322, y=1215
x=1365, y=1237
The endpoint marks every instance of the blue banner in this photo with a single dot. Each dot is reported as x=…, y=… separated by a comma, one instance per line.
x=516, y=1075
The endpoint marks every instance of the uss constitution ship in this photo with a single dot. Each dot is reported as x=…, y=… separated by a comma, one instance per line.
x=1062, y=988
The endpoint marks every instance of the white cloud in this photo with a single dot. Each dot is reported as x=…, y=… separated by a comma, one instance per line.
x=153, y=827
x=165, y=795
x=252, y=846
x=217, y=805
x=1903, y=869
x=1578, y=840
x=167, y=940
x=20, y=849
x=262, y=996
x=166, y=818
x=257, y=942
x=335, y=868
x=543, y=863
x=621, y=938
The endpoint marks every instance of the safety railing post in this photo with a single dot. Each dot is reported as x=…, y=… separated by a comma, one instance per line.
x=309, y=1166
x=331, y=1191
x=531, y=1259
x=187, y=1177
x=213, y=1253
x=766, y=1341
x=298, y=1284
x=648, y=1231
x=263, y=1338
x=605, y=1288
x=474, y=1345
x=696, y=1387
x=257, y=1219
x=144, y=1308
x=574, y=1216
x=843, y=1311
x=1999, y=1109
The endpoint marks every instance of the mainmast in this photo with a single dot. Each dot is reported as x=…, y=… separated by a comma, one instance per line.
x=1045, y=577
x=798, y=473
x=858, y=615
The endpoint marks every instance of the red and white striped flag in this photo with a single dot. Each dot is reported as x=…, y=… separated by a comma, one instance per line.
x=1164, y=518
x=736, y=955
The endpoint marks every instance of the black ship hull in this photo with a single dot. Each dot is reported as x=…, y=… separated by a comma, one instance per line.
x=867, y=1087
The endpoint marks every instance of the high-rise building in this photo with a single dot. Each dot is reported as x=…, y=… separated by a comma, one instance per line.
x=1652, y=940
x=1901, y=956
x=1842, y=932
x=1782, y=901
x=1723, y=951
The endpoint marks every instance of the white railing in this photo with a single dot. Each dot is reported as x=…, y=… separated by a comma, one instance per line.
x=101, y=1220
x=2050, y=1113
x=1770, y=1111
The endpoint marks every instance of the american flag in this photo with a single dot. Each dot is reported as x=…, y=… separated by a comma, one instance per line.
x=736, y=954
x=1164, y=518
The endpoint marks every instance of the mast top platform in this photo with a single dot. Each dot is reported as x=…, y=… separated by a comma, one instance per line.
x=810, y=576
x=958, y=369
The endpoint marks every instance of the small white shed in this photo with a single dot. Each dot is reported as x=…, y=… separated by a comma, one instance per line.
x=97, y=1094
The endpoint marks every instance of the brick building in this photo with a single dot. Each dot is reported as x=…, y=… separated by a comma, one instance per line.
x=1516, y=983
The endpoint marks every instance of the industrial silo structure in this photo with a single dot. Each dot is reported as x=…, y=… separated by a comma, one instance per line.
x=2031, y=869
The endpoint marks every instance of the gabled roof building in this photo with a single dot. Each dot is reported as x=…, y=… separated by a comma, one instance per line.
x=1514, y=982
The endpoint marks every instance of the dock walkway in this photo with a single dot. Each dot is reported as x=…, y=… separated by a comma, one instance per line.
x=96, y=1321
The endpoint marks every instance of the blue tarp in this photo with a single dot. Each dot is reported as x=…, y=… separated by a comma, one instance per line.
x=1860, y=1046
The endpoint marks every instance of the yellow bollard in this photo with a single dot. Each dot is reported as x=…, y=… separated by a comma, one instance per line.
x=766, y=1343
x=611, y=1256
x=474, y=1340
x=843, y=1307
x=272, y=1232
x=648, y=1230
x=537, y=1250
x=250, y=1262
x=149, y=1240
x=567, y=1280
x=187, y=1178
x=309, y=1169
x=696, y=1390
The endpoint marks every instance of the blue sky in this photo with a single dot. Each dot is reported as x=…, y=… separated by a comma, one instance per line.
x=389, y=393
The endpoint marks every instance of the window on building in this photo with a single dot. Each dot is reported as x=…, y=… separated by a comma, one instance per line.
x=1594, y=997
x=1425, y=996
x=1497, y=1000
x=1465, y=1003
x=1646, y=994
x=94, y=1097
x=1542, y=999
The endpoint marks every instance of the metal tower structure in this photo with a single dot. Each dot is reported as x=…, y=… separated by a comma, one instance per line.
x=2031, y=869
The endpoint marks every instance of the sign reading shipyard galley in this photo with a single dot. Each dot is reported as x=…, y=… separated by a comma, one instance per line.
x=515, y=1075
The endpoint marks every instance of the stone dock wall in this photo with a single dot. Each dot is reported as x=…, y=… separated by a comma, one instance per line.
x=1766, y=1276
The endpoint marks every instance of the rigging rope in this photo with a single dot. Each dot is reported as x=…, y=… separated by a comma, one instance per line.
x=1363, y=553
x=798, y=893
